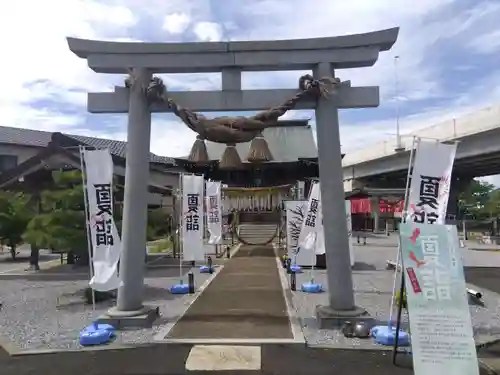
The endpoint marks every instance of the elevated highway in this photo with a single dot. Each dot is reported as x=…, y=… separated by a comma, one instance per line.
x=478, y=152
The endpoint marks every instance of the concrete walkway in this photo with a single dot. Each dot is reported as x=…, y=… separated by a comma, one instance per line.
x=244, y=301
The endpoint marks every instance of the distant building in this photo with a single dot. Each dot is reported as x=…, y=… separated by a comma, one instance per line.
x=27, y=157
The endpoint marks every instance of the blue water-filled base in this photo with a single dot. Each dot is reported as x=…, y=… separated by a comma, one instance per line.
x=96, y=334
x=311, y=288
x=386, y=335
x=206, y=269
x=296, y=268
x=179, y=289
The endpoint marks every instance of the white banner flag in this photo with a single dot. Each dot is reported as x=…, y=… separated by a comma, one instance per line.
x=295, y=215
x=310, y=225
x=320, y=248
x=192, y=218
x=430, y=182
x=319, y=235
x=104, y=235
x=214, y=212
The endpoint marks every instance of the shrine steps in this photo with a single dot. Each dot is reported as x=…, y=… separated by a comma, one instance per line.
x=257, y=233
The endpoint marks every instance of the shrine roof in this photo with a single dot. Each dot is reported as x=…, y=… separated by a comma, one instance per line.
x=288, y=143
x=38, y=138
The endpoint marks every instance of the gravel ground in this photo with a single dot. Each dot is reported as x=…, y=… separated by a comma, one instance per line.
x=373, y=288
x=22, y=259
x=50, y=314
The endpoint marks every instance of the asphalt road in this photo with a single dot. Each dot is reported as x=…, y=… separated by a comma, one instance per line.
x=167, y=359
x=171, y=359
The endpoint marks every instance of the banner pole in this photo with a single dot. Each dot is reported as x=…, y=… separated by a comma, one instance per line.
x=403, y=219
x=83, y=167
x=206, y=235
x=395, y=351
x=181, y=222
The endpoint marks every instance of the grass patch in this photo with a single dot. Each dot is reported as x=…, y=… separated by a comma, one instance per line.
x=163, y=245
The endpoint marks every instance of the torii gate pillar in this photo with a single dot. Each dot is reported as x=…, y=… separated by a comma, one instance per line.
x=135, y=207
x=338, y=262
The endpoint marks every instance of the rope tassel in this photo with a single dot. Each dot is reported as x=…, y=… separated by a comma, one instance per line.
x=259, y=150
x=230, y=158
x=199, y=153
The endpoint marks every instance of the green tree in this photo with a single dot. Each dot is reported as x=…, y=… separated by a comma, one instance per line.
x=61, y=224
x=492, y=205
x=473, y=201
x=159, y=223
x=15, y=214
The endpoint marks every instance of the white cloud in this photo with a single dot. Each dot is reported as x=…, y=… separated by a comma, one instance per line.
x=41, y=68
x=208, y=31
x=176, y=23
x=365, y=134
x=170, y=137
x=494, y=180
x=486, y=44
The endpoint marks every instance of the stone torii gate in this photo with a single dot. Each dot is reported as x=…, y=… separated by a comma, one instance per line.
x=321, y=55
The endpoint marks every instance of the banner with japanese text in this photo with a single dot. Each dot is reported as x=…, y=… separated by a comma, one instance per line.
x=310, y=226
x=295, y=214
x=430, y=182
x=440, y=323
x=193, y=248
x=213, y=203
x=105, y=240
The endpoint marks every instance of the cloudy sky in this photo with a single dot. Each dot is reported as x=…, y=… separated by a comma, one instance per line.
x=449, y=58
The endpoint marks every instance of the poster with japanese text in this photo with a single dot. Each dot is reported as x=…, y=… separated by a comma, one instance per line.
x=441, y=333
x=430, y=182
x=193, y=248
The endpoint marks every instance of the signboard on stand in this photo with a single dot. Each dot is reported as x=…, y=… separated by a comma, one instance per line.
x=440, y=323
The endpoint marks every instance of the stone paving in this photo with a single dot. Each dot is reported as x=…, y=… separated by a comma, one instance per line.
x=39, y=312
x=244, y=301
x=373, y=289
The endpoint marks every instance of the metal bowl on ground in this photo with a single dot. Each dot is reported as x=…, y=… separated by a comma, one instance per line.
x=362, y=330
x=348, y=329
